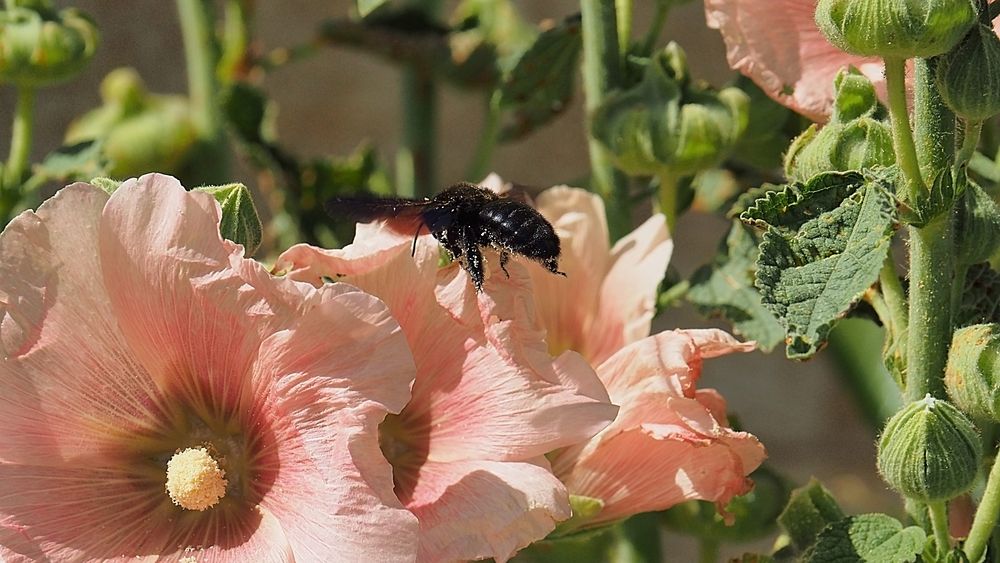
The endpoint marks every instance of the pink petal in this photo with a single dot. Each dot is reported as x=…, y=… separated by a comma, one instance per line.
x=69, y=389
x=479, y=509
x=638, y=264
x=607, y=298
x=777, y=44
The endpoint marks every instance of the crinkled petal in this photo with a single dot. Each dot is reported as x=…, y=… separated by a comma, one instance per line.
x=480, y=509
x=777, y=44
x=653, y=465
x=70, y=384
x=50, y=513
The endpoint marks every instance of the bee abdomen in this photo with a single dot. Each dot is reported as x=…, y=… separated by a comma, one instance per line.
x=520, y=229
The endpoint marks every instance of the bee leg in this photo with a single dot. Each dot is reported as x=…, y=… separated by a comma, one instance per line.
x=504, y=258
x=552, y=265
x=474, y=265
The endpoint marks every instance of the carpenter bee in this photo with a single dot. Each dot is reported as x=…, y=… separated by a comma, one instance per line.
x=464, y=218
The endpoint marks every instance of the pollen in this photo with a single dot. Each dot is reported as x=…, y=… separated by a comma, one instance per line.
x=194, y=479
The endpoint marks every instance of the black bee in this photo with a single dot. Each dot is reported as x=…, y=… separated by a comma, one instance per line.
x=464, y=218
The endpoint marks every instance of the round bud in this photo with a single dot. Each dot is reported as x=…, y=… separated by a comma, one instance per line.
x=968, y=77
x=972, y=373
x=39, y=46
x=929, y=451
x=895, y=28
x=856, y=145
x=977, y=229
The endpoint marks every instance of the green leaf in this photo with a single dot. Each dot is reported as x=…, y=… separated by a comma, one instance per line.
x=874, y=538
x=540, y=85
x=810, y=509
x=932, y=203
x=823, y=248
x=366, y=7
x=80, y=161
x=240, y=222
x=590, y=545
x=725, y=288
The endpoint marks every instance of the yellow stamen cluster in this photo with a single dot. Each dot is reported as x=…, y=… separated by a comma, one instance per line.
x=194, y=479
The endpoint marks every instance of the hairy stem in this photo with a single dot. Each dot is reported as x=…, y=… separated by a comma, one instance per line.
x=623, y=10
x=601, y=73
x=938, y=511
x=970, y=141
x=932, y=267
x=985, y=518
x=902, y=137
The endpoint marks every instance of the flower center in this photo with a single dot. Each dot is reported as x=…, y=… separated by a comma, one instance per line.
x=194, y=479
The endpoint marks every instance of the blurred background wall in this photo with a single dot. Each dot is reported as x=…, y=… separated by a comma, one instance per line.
x=333, y=101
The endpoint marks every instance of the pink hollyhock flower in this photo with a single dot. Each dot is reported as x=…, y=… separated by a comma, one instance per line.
x=670, y=441
x=488, y=401
x=777, y=44
x=164, y=398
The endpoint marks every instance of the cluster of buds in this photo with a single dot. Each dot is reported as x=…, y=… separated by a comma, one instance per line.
x=40, y=46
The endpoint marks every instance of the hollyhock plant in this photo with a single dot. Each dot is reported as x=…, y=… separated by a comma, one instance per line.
x=670, y=441
x=165, y=398
x=488, y=401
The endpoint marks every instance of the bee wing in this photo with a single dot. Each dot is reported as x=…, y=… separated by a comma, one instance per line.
x=367, y=209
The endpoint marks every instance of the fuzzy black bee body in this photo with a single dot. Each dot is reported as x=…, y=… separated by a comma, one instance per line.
x=465, y=218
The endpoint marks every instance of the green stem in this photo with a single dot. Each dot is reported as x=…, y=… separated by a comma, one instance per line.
x=655, y=26
x=488, y=138
x=415, y=173
x=200, y=58
x=20, y=139
x=932, y=267
x=892, y=291
x=934, y=123
x=601, y=74
x=623, y=9
x=970, y=141
x=939, y=523
x=985, y=518
x=708, y=551
x=235, y=40
x=668, y=199
x=902, y=137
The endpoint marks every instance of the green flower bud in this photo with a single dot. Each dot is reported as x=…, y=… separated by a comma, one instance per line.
x=972, y=373
x=968, y=77
x=929, y=451
x=639, y=126
x=141, y=132
x=240, y=222
x=39, y=46
x=978, y=226
x=895, y=28
x=665, y=125
x=853, y=139
x=856, y=145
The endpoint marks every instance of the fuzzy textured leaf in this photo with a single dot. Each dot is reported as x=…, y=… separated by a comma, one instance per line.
x=823, y=248
x=810, y=509
x=874, y=538
x=725, y=288
x=539, y=87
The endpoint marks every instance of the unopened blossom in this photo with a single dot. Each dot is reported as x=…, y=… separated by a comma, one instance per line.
x=488, y=401
x=671, y=441
x=166, y=399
